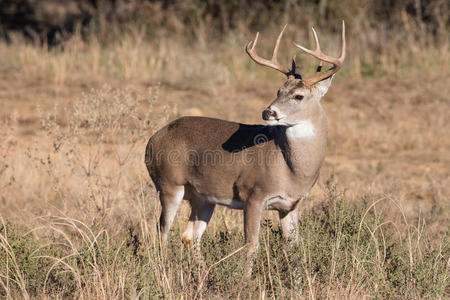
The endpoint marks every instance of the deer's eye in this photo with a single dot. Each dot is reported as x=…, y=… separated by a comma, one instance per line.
x=298, y=97
x=278, y=93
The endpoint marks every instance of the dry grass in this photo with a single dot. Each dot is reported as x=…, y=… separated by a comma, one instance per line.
x=78, y=214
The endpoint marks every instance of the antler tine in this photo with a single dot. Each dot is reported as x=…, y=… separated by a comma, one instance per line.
x=317, y=53
x=342, y=57
x=273, y=63
x=277, y=45
x=253, y=43
x=316, y=39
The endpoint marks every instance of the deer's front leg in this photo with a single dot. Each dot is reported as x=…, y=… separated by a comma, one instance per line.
x=252, y=223
x=289, y=225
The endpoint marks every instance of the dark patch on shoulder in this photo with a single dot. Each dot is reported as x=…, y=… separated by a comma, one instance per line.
x=247, y=136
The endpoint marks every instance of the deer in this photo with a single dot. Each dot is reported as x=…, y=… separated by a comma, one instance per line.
x=210, y=162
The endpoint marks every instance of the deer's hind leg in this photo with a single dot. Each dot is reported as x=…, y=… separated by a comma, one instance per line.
x=171, y=198
x=201, y=212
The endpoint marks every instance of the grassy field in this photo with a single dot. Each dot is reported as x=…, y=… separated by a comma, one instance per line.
x=78, y=212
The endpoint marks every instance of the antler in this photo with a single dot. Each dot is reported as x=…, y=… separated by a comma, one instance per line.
x=336, y=62
x=273, y=63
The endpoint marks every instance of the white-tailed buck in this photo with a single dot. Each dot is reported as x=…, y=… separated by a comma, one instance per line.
x=251, y=167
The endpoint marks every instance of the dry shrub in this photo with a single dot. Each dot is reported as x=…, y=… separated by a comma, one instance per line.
x=86, y=157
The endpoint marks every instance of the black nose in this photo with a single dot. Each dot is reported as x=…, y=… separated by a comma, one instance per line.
x=268, y=113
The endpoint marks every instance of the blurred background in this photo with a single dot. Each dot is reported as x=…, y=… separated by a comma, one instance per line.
x=385, y=37
x=84, y=84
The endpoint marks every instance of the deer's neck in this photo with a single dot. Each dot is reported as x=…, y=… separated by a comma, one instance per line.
x=305, y=144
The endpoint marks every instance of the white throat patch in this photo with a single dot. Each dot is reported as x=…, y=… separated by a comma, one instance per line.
x=302, y=130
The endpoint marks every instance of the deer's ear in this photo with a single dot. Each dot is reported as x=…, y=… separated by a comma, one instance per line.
x=323, y=85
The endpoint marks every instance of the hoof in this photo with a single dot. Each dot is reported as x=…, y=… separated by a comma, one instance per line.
x=186, y=241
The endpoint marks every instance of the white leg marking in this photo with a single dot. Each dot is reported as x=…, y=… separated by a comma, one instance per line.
x=188, y=233
x=203, y=217
x=199, y=229
x=173, y=207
